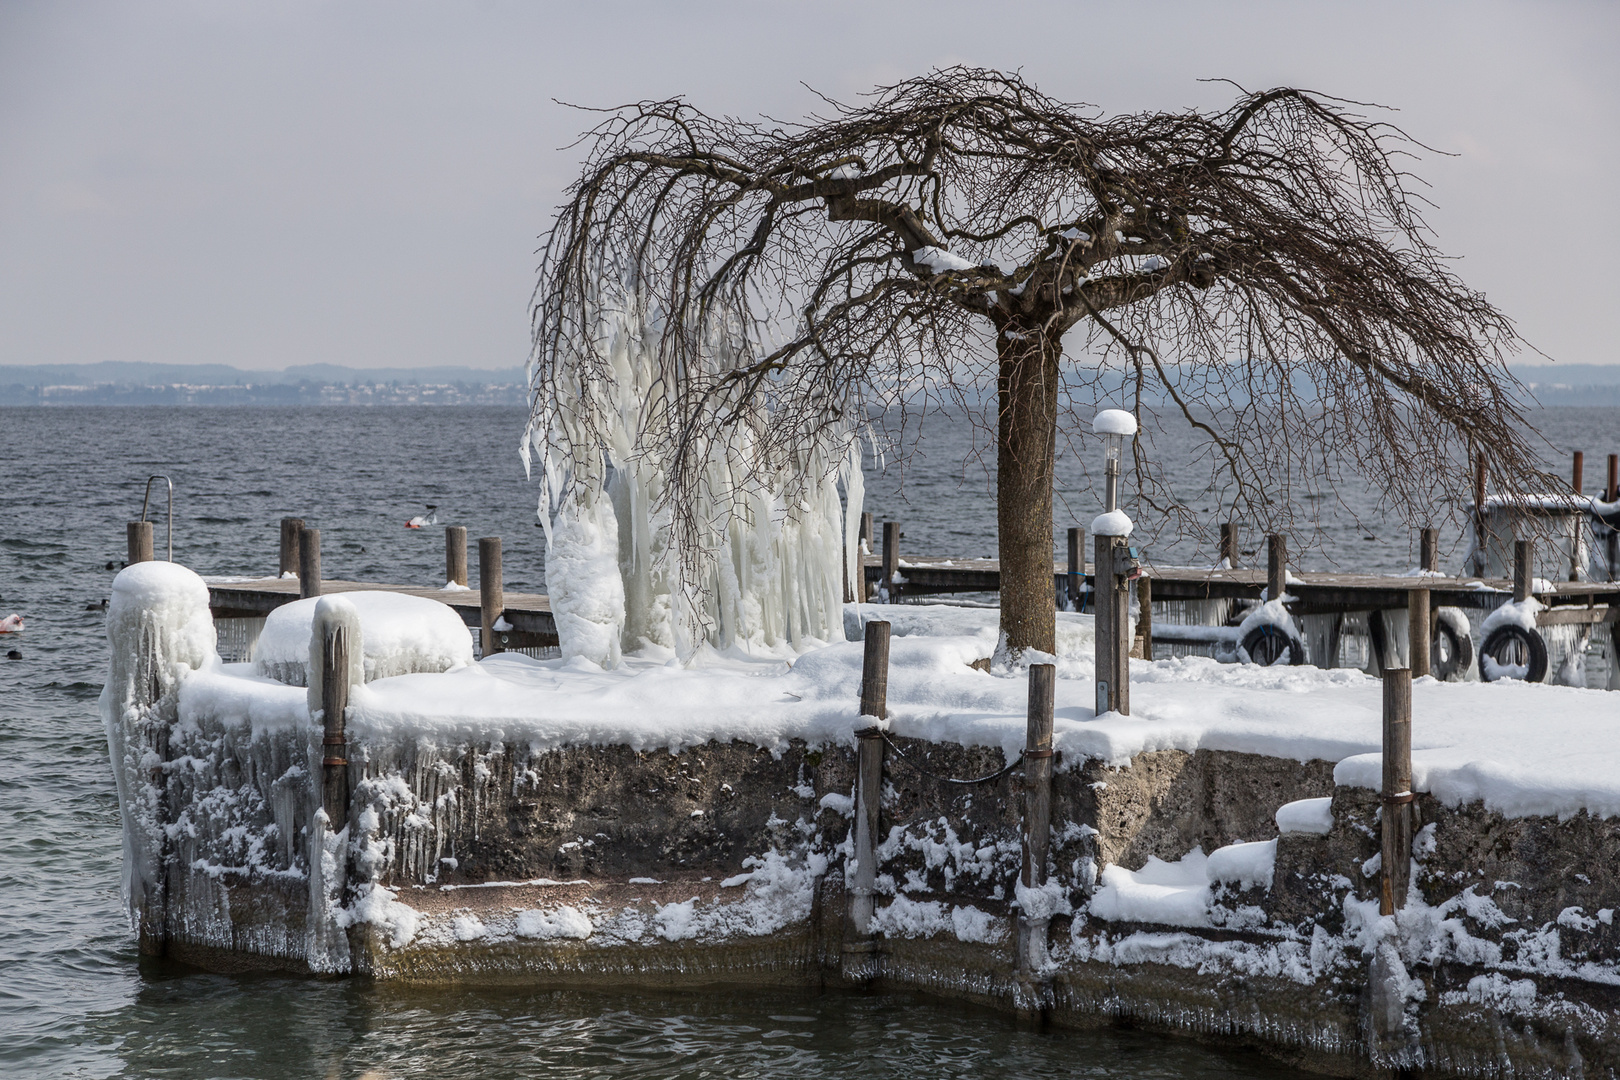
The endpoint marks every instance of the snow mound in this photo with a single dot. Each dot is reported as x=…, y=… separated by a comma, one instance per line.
x=1113, y=523
x=1114, y=422
x=940, y=260
x=399, y=635
x=1306, y=816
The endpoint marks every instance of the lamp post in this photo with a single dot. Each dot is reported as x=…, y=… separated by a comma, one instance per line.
x=1112, y=573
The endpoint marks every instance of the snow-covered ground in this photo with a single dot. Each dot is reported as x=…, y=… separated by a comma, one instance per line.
x=1522, y=749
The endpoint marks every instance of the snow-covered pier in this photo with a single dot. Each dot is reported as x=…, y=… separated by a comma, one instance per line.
x=1213, y=863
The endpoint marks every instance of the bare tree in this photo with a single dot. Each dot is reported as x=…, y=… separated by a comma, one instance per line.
x=1263, y=271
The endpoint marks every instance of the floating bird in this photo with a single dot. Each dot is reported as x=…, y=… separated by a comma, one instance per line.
x=11, y=624
x=421, y=521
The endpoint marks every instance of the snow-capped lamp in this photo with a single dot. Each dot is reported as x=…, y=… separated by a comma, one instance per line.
x=1115, y=426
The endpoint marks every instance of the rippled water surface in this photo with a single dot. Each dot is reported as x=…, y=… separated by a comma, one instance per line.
x=73, y=998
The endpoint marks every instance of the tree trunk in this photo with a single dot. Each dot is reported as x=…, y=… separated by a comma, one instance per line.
x=1025, y=449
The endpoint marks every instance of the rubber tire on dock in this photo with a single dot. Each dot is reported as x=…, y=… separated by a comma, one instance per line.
x=1457, y=642
x=1264, y=645
x=1528, y=643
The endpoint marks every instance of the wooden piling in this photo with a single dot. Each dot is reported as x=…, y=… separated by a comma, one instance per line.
x=1524, y=568
x=1143, y=647
x=1276, y=565
x=1612, y=492
x=869, y=773
x=334, y=703
x=138, y=537
x=1229, y=542
x=309, y=563
x=865, y=537
x=1077, y=567
x=1429, y=549
x=1577, y=467
x=891, y=559
x=455, y=555
x=291, y=530
x=1037, y=823
x=1110, y=599
x=1479, y=514
x=1396, y=871
x=491, y=594
x=1420, y=632
x=1611, y=543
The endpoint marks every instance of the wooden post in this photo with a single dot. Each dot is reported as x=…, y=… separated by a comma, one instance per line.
x=891, y=559
x=1612, y=541
x=491, y=595
x=1612, y=493
x=1479, y=515
x=1276, y=565
x=334, y=702
x=455, y=555
x=1429, y=549
x=309, y=563
x=1037, y=812
x=1524, y=568
x=1397, y=817
x=1144, y=618
x=138, y=536
x=1576, y=469
x=1229, y=542
x=1077, y=567
x=1110, y=599
x=1420, y=634
x=869, y=774
x=291, y=530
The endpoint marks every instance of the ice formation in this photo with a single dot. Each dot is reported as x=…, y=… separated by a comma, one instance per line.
x=771, y=547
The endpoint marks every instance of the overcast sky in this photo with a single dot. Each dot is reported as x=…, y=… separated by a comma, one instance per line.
x=362, y=183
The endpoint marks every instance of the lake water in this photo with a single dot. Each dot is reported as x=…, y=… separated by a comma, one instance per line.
x=74, y=1000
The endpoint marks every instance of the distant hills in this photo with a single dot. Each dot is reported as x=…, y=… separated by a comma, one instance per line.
x=120, y=383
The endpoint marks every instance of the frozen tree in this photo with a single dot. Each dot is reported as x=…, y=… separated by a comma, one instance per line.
x=1262, y=273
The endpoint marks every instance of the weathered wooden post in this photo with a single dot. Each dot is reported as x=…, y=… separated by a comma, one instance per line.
x=1077, y=567
x=1577, y=467
x=335, y=745
x=1429, y=549
x=292, y=529
x=1110, y=598
x=138, y=536
x=491, y=595
x=1276, y=566
x=866, y=536
x=309, y=563
x=1229, y=542
x=891, y=559
x=1479, y=516
x=869, y=773
x=1577, y=545
x=1397, y=816
x=1037, y=824
x=1144, y=618
x=1524, y=568
x=455, y=555
x=1420, y=634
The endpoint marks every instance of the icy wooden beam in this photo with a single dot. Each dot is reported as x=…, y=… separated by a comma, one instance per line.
x=139, y=537
x=455, y=555
x=869, y=773
x=291, y=530
x=491, y=599
x=1396, y=855
x=335, y=648
x=1037, y=823
x=309, y=563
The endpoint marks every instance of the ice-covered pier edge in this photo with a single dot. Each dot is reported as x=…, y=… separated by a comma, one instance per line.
x=1213, y=864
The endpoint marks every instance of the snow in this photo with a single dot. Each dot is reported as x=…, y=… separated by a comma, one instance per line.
x=1114, y=422
x=940, y=261
x=561, y=922
x=1249, y=865
x=908, y=918
x=1313, y=816
x=1520, y=613
x=1075, y=234
x=398, y=634
x=1170, y=894
x=1113, y=523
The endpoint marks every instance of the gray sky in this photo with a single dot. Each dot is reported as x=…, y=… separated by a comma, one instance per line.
x=362, y=183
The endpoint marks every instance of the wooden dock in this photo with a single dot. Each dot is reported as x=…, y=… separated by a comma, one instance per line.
x=529, y=614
